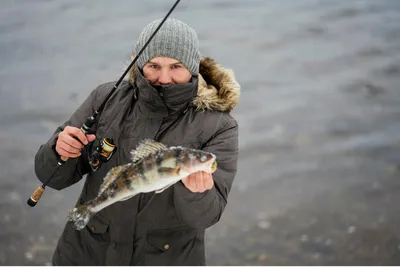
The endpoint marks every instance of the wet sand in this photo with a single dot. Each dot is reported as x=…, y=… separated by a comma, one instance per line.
x=319, y=120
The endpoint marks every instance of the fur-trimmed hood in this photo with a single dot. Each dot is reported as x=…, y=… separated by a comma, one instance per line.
x=217, y=86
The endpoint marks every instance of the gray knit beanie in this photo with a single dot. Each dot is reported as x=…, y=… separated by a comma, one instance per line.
x=174, y=39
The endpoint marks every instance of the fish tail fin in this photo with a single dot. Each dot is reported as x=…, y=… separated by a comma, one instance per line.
x=81, y=215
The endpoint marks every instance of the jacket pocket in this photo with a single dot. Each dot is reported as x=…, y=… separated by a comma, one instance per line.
x=178, y=246
x=96, y=237
x=98, y=226
x=69, y=250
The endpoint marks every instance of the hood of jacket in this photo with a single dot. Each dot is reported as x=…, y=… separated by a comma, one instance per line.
x=217, y=87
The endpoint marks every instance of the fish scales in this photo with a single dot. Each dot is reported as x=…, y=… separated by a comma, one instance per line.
x=150, y=168
x=153, y=167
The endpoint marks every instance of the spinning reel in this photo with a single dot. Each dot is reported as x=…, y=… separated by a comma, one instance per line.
x=102, y=153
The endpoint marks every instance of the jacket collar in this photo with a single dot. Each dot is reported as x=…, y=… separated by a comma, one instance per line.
x=215, y=88
x=167, y=99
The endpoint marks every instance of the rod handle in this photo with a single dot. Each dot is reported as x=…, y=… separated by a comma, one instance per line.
x=35, y=197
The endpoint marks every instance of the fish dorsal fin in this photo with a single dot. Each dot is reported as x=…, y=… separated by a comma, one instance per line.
x=145, y=148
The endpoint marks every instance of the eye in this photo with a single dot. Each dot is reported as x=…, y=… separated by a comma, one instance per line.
x=176, y=66
x=153, y=66
x=203, y=158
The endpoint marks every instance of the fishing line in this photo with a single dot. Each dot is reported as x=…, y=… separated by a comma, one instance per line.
x=91, y=121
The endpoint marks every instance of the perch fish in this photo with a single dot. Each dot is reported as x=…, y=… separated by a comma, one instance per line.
x=153, y=167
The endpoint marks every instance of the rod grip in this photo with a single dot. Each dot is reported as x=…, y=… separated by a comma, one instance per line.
x=35, y=197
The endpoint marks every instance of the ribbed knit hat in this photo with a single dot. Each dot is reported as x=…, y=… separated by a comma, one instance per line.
x=174, y=39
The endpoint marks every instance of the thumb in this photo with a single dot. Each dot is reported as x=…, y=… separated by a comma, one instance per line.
x=90, y=137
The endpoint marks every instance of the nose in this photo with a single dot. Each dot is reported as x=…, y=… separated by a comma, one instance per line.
x=164, y=77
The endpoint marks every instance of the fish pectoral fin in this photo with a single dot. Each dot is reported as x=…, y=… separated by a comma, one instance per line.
x=126, y=198
x=164, y=188
x=172, y=172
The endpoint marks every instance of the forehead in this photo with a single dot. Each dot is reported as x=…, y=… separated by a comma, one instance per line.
x=163, y=60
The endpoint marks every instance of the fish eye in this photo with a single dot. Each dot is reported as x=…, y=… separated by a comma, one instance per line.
x=203, y=157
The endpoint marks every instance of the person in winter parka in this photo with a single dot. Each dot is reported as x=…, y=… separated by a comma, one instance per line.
x=174, y=96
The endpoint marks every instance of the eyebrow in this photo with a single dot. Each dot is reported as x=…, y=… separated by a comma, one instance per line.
x=176, y=63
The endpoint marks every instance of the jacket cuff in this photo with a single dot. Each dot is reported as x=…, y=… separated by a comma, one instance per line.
x=53, y=157
x=50, y=156
x=196, y=209
x=49, y=160
x=189, y=198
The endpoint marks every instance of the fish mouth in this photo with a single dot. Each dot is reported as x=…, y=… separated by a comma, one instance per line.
x=214, y=166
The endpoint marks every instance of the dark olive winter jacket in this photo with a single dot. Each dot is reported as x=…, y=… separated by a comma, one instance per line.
x=150, y=229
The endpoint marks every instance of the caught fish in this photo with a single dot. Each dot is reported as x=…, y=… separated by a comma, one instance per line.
x=153, y=167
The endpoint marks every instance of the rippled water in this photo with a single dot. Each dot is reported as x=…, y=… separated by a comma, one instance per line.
x=319, y=119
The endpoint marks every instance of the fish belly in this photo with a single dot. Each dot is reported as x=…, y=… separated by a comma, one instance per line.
x=126, y=194
x=121, y=196
x=160, y=184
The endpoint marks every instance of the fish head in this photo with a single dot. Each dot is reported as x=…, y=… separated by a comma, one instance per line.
x=193, y=160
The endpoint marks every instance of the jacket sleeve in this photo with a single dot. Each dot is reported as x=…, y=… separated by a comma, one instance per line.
x=46, y=158
x=202, y=210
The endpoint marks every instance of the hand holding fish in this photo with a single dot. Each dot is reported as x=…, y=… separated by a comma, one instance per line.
x=199, y=182
x=70, y=142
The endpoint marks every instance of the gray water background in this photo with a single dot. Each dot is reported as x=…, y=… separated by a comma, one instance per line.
x=318, y=115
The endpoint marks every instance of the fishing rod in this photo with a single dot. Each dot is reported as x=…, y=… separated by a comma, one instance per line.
x=105, y=150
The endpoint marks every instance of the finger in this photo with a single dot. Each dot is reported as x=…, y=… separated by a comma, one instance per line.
x=71, y=141
x=192, y=182
x=199, y=181
x=187, y=181
x=90, y=137
x=208, y=181
x=78, y=134
x=68, y=148
x=64, y=153
x=204, y=179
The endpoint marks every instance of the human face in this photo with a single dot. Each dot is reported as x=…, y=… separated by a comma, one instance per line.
x=165, y=70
